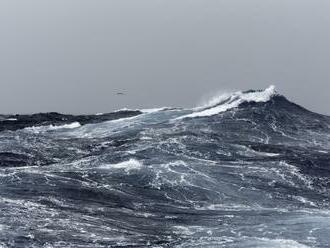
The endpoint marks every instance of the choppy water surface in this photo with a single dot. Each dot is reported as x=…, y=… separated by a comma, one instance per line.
x=250, y=169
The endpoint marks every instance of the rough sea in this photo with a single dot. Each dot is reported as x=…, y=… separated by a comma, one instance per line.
x=248, y=169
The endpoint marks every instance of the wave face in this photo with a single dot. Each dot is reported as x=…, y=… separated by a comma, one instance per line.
x=250, y=169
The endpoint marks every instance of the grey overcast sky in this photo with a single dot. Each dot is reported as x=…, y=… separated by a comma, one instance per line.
x=72, y=56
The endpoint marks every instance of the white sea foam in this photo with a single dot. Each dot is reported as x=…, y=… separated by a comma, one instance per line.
x=124, y=109
x=131, y=164
x=11, y=119
x=42, y=129
x=266, y=242
x=127, y=109
x=304, y=200
x=227, y=101
x=153, y=110
x=214, y=100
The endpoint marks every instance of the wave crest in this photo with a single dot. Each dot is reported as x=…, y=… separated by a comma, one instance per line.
x=41, y=129
x=227, y=101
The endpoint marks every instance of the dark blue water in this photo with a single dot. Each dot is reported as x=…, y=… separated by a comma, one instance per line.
x=250, y=169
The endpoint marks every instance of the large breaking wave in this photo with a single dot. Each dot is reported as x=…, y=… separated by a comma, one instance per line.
x=248, y=169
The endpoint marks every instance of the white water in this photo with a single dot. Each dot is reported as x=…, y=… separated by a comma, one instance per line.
x=153, y=110
x=41, y=129
x=131, y=164
x=227, y=101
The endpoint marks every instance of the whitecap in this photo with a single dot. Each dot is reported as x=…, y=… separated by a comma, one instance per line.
x=227, y=101
x=153, y=110
x=40, y=129
x=281, y=243
x=304, y=201
x=131, y=164
x=124, y=110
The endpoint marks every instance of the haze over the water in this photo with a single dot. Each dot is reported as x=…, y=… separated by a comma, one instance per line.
x=75, y=56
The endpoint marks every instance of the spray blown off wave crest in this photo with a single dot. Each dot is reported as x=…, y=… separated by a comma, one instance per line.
x=252, y=171
x=228, y=101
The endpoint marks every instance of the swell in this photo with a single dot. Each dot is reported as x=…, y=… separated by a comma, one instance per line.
x=254, y=175
x=15, y=122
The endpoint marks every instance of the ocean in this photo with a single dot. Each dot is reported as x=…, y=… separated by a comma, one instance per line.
x=247, y=169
